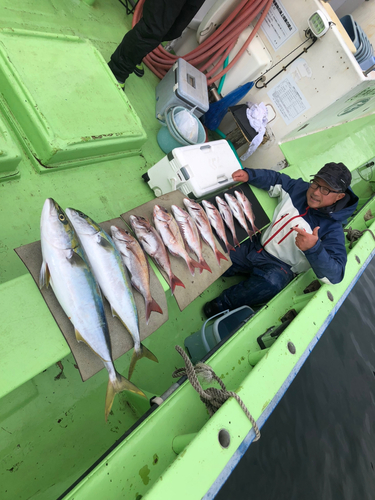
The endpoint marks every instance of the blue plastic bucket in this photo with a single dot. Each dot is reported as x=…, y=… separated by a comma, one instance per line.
x=214, y=330
x=170, y=137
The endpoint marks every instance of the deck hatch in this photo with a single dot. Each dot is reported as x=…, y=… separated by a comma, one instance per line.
x=64, y=99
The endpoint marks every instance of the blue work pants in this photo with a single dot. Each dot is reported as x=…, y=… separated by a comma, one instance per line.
x=265, y=275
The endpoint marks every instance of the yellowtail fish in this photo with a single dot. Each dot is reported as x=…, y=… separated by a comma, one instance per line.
x=203, y=224
x=227, y=217
x=153, y=245
x=112, y=277
x=217, y=223
x=190, y=234
x=247, y=209
x=171, y=236
x=136, y=262
x=65, y=268
x=238, y=212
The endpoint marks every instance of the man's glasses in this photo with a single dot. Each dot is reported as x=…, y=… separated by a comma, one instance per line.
x=324, y=190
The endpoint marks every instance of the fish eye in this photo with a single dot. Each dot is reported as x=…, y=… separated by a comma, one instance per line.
x=62, y=217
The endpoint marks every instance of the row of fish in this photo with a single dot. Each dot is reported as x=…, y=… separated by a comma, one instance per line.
x=78, y=258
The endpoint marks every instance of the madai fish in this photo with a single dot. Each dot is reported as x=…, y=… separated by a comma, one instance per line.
x=153, y=245
x=237, y=212
x=217, y=223
x=171, y=236
x=136, y=262
x=109, y=271
x=247, y=209
x=190, y=234
x=65, y=268
x=227, y=217
x=200, y=218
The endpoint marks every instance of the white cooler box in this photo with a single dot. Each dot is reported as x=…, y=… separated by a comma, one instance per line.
x=196, y=170
x=183, y=85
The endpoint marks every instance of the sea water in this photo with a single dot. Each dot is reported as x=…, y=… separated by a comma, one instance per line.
x=319, y=443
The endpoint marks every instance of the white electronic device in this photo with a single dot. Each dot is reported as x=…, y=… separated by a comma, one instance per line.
x=318, y=24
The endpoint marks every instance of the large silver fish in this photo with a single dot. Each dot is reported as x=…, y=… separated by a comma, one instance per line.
x=247, y=209
x=217, y=223
x=238, y=212
x=65, y=268
x=190, y=234
x=153, y=245
x=136, y=262
x=109, y=271
x=227, y=217
x=203, y=224
x=171, y=236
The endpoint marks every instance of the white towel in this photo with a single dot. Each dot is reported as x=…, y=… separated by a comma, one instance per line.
x=257, y=115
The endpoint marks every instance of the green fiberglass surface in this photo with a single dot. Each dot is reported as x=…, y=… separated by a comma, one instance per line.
x=52, y=425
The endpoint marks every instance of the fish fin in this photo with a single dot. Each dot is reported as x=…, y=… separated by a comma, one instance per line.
x=76, y=260
x=152, y=305
x=119, y=385
x=81, y=339
x=142, y=353
x=103, y=242
x=200, y=265
x=44, y=275
x=114, y=314
x=255, y=229
x=174, y=281
x=204, y=265
x=219, y=256
x=230, y=248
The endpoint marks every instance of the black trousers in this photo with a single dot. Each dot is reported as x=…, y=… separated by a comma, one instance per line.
x=162, y=20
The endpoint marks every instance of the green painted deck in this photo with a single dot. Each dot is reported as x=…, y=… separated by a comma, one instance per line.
x=52, y=425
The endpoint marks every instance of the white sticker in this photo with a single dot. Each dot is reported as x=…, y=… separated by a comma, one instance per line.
x=300, y=69
x=288, y=99
x=278, y=26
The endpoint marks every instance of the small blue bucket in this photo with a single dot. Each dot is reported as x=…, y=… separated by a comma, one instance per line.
x=200, y=343
x=169, y=136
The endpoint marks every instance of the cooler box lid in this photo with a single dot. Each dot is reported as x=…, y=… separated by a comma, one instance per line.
x=63, y=99
x=191, y=85
x=206, y=166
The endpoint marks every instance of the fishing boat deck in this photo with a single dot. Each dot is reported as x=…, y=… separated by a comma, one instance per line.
x=52, y=425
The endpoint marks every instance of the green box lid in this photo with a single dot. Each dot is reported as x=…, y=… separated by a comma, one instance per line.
x=65, y=99
x=10, y=155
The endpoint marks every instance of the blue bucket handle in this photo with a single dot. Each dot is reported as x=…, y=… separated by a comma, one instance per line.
x=203, y=336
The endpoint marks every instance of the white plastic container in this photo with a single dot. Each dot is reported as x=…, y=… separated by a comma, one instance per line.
x=196, y=170
x=183, y=85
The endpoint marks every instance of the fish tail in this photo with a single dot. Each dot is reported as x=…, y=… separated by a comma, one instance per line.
x=174, y=281
x=230, y=248
x=219, y=256
x=203, y=265
x=143, y=352
x=255, y=229
x=190, y=263
x=235, y=241
x=251, y=234
x=152, y=305
x=115, y=386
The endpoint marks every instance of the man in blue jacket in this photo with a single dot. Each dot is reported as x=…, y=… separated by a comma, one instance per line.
x=306, y=231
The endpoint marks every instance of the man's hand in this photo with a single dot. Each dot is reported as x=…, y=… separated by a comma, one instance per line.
x=305, y=241
x=240, y=176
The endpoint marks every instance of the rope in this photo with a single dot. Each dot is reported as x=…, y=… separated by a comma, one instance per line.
x=213, y=398
x=354, y=234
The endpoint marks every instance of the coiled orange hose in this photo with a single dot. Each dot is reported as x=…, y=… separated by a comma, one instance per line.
x=216, y=47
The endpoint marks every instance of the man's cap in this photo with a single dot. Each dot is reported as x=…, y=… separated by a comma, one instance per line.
x=336, y=175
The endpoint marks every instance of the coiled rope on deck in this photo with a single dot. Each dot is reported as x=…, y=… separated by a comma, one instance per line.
x=213, y=398
x=354, y=234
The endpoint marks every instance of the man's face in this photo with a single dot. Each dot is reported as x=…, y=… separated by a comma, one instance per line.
x=316, y=199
